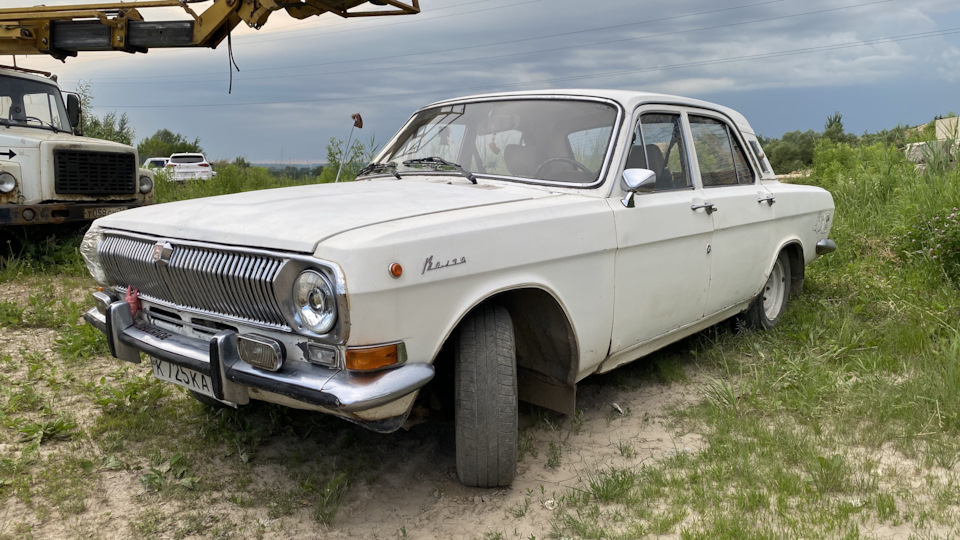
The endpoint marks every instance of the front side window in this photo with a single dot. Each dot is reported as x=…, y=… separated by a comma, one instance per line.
x=722, y=160
x=658, y=146
x=24, y=102
x=564, y=141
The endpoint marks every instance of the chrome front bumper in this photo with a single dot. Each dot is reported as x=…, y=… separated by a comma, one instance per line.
x=218, y=358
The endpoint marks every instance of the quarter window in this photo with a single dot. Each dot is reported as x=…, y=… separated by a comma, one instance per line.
x=722, y=159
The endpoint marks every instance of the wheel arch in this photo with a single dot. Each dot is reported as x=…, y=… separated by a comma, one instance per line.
x=795, y=254
x=546, y=346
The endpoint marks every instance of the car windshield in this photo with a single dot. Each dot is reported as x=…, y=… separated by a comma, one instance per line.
x=25, y=102
x=550, y=140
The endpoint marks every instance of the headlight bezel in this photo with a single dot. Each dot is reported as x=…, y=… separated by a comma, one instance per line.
x=284, y=290
x=90, y=251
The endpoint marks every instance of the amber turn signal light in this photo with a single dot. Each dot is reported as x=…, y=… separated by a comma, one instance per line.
x=370, y=358
x=396, y=270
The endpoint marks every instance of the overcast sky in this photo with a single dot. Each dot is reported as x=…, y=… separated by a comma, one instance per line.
x=785, y=64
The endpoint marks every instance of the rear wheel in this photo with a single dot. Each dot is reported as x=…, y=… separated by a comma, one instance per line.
x=486, y=399
x=767, y=308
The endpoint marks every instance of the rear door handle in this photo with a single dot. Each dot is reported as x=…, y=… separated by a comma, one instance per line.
x=770, y=199
x=708, y=207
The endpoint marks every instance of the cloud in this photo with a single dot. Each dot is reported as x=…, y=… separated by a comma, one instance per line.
x=300, y=80
x=950, y=69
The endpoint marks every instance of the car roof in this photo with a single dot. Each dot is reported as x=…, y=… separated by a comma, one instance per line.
x=630, y=100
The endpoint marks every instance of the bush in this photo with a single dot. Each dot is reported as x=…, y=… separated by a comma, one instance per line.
x=936, y=238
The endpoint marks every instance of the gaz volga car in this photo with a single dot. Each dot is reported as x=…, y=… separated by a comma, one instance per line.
x=503, y=246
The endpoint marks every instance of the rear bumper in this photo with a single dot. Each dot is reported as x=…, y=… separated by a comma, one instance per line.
x=218, y=358
x=184, y=176
x=57, y=213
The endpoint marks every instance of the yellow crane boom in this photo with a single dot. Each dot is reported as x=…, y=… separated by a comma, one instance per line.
x=62, y=31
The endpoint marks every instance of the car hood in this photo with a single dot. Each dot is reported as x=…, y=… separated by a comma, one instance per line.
x=299, y=218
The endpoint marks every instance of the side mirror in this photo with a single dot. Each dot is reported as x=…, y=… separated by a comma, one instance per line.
x=73, y=112
x=638, y=181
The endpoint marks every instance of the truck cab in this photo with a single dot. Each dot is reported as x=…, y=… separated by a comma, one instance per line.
x=49, y=173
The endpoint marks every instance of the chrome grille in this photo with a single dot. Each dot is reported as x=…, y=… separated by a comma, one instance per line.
x=235, y=284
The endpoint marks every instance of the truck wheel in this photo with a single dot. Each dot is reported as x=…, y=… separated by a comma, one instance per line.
x=485, y=410
x=769, y=305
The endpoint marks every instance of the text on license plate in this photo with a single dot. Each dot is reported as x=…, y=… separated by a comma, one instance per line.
x=94, y=213
x=187, y=378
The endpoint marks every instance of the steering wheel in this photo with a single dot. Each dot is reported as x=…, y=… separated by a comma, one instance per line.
x=576, y=164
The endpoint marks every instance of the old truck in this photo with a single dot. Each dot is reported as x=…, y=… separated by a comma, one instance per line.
x=49, y=173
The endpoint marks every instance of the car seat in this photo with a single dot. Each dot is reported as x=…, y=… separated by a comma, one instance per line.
x=523, y=160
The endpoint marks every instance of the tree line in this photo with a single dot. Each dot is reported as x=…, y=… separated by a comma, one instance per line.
x=163, y=143
x=795, y=149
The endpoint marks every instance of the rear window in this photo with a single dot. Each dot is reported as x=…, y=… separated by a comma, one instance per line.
x=189, y=158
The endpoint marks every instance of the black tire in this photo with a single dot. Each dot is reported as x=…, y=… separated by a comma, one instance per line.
x=767, y=308
x=485, y=409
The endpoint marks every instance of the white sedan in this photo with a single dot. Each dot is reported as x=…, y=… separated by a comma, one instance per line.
x=500, y=248
x=189, y=166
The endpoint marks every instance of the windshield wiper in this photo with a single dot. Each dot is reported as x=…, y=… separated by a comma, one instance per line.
x=26, y=123
x=433, y=160
x=374, y=167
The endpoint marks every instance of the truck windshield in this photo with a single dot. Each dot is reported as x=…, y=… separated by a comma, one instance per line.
x=549, y=140
x=24, y=102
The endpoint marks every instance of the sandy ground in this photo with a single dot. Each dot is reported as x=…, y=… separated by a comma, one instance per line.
x=412, y=492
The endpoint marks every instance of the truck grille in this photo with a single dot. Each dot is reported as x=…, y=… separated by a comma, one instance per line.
x=79, y=172
x=233, y=284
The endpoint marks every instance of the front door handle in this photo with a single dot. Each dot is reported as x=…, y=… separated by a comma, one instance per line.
x=770, y=199
x=708, y=207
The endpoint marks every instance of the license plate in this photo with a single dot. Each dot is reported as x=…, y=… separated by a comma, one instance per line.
x=187, y=378
x=94, y=213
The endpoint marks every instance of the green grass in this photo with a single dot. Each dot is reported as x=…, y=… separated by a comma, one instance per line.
x=229, y=179
x=843, y=418
x=866, y=362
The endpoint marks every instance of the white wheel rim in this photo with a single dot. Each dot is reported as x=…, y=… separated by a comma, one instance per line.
x=773, y=291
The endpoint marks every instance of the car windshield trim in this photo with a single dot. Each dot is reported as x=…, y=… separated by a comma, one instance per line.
x=401, y=148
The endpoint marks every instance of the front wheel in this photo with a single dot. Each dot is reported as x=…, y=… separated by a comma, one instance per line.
x=767, y=308
x=485, y=410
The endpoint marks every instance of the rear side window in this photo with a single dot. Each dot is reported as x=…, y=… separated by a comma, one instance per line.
x=758, y=152
x=722, y=160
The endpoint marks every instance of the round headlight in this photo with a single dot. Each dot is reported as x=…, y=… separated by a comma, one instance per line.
x=7, y=182
x=146, y=184
x=315, y=301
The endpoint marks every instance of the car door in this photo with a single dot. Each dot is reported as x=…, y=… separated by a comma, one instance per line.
x=744, y=210
x=663, y=241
